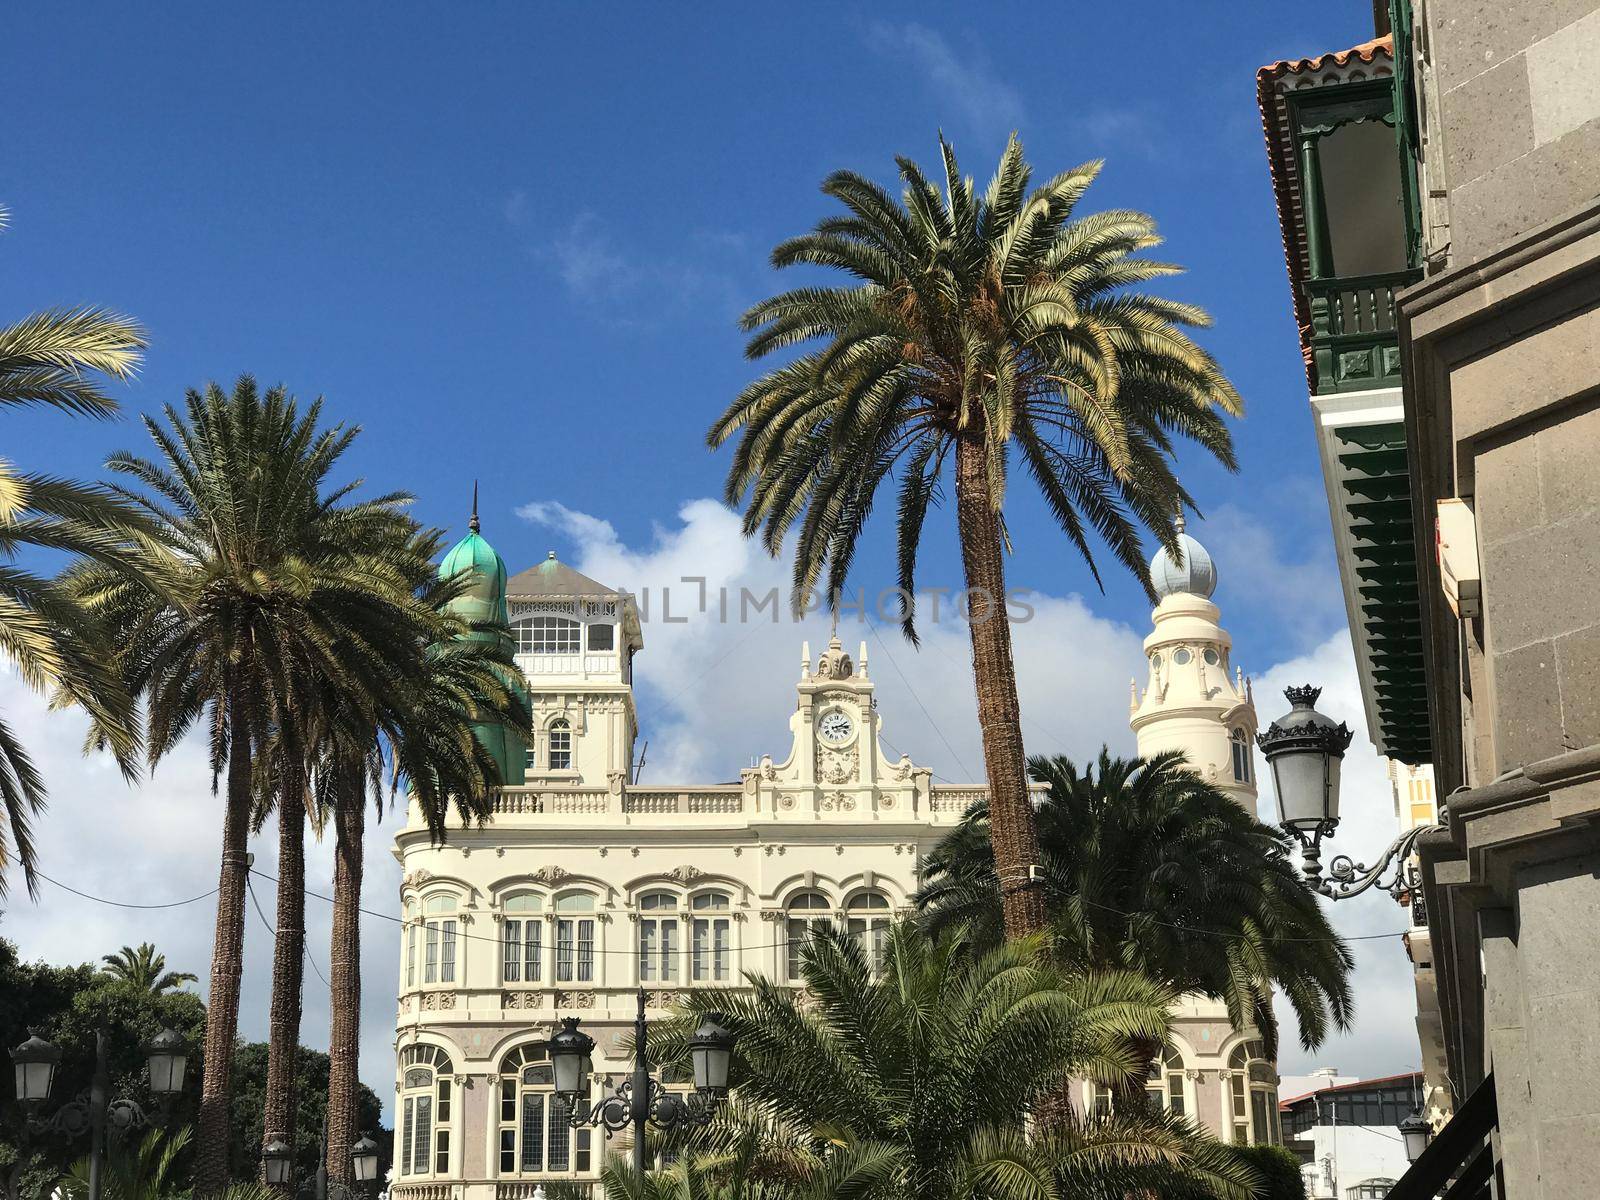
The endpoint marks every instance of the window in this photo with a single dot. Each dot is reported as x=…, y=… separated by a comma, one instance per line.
x=531, y=758
x=1165, y=1087
x=1370, y=1189
x=536, y=1138
x=521, y=936
x=658, y=936
x=426, y=1085
x=1243, y=761
x=1182, y=657
x=574, y=939
x=546, y=635
x=602, y=638
x=439, y=935
x=411, y=949
x=808, y=912
x=1254, y=1096
x=867, y=920
x=560, y=745
x=711, y=935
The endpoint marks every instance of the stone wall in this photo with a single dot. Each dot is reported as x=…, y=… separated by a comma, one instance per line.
x=1515, y=97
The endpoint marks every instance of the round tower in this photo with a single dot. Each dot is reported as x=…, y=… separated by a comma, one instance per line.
x=481, y=601
x=1195, y=700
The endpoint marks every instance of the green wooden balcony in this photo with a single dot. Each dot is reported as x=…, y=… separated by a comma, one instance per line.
x=1354, y=344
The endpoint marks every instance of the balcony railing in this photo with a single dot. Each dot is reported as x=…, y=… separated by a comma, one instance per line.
x=1355, y=345
x=945, y=803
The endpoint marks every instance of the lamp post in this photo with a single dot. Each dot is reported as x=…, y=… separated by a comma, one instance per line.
x=641, y=1101
x=35, y=1063
x=1415, y=1132
x=1304, y=750
x=278, y=1160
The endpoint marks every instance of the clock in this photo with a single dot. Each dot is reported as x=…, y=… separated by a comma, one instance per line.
x=835, y=726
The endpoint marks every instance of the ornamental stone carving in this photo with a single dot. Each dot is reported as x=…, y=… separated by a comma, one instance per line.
x=522, y=1000
x=685, y=874
x=837, y=766
x=438, y=1001
x=837, y=802
x=662, y=999
x=550, y=874
x=574, y=999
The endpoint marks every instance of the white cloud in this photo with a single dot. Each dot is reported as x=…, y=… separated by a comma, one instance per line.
x=587, y=261
x=966, y=80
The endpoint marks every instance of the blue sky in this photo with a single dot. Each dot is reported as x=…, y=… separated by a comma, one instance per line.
x=511, y=241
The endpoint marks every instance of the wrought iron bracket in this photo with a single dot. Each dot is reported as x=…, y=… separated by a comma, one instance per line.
x=74, y=1118
x=1346, y=877
x=663, y=1109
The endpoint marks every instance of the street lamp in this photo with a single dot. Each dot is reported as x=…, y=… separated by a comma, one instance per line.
x=276, y=1155
x=168, y=1058
x=36, y=1061
x=1304, y=750
x=364, y=1160
x=1416, y=1132
x=640, y=1100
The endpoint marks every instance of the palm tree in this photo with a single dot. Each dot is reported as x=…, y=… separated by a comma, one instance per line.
x=974, y=330
x=422, y=739
x=146, y=969
x=53, y=359
x=1150, y=868
x=932, y=1064
x=260, y=586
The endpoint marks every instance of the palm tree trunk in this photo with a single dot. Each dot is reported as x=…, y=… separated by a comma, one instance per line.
x=227, y=967
x=1011, y=817
x=344, y=1038
x=288, y=966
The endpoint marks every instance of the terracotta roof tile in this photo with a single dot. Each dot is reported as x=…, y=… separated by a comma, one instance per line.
x=1285, y=173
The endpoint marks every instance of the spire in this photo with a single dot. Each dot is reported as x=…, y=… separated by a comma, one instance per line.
x=472, y=521
x=1177, y=522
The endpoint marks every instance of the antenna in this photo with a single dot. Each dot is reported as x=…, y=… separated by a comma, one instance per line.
x=472, y=521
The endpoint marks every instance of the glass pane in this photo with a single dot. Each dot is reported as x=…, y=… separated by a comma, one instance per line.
x=447, y=957
x=564, y=948
x=441, y=1153
x=511, y=953
x=407, y=1130
x=422, y=1138
x=508, y=1151
x=585, y=951
x=508, y=1101
x=669, y=949
x=444, y=1101
x=532, y=1131
x=431, y=971
x=533, y=952
x=560, y=1136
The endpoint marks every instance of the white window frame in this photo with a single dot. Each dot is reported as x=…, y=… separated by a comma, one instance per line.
x=660, y=943
x=575, y=932
x=868, y=917
x=522, y=939
x=545, y=634
x=426, y=1096
x=525, y=1087
x=441, y=940
x=560, y=759
x=798, y=928
x=710, y=937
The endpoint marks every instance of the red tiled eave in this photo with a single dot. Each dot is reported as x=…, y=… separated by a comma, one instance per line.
x=1357, y=1086
x=1281, y=162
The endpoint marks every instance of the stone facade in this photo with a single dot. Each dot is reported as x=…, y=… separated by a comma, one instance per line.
x=1502, y=346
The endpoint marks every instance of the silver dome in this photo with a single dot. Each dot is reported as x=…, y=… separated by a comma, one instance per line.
x=1196, y=574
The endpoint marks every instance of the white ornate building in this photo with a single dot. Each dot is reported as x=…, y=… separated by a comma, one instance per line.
x=1197, y=700
x=586, y=887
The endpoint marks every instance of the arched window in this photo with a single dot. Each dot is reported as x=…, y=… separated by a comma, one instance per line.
x=1243, y=766
x=659, y=946
x=867, y=920
x=711, y=932
x=1166, y=1085
x=1254, y=1095
x=546, y=635
x=575, y=938
x=536, y=1137
x=521, y=939
x=560, y=745
x=439, y=942
x=425, y=1111
x=808, y=911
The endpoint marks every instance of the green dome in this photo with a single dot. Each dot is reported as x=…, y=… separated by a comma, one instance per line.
x=484, y=599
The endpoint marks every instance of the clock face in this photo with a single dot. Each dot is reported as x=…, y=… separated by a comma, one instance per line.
x=835, y=726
